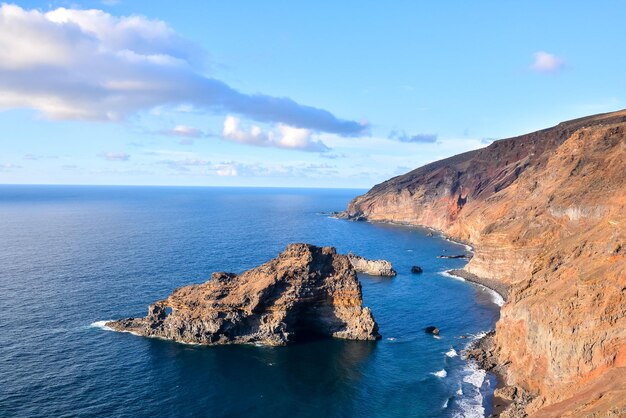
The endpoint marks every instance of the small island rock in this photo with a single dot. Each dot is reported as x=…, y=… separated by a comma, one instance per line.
x=416, y=270
x=305, y=291
x=432, y=330
x=371, y=267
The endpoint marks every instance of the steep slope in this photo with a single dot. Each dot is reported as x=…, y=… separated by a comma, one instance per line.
x=306, y=290
x=547, y=214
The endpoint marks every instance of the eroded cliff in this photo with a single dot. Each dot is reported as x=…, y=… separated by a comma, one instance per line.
x=546, y=213
x=305, y=291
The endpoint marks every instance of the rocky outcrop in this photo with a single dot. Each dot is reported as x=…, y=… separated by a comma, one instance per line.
x=371, y=267
x=306, y=291
x=546, y=213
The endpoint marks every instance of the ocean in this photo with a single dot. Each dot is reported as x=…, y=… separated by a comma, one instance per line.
x=74, y=256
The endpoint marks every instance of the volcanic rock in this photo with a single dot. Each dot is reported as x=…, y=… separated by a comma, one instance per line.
x=306, y=291
x=455, y=256
x=432, y=330
x=371, y=267
x=416, y=270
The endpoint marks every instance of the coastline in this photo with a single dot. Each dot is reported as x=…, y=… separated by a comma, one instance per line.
x=500, y=288
x=481, y=350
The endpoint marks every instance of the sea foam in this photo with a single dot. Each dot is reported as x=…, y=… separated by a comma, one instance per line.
x=451, y=353
x=102, y=325
x=441, y=373
x=471, y=403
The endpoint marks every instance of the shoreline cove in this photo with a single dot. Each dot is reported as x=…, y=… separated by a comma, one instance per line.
x=500, y=293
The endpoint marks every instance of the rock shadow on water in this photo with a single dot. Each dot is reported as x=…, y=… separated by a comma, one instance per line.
x=320, y=375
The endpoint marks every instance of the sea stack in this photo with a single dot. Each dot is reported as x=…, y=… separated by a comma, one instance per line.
x=305, y=291
x=371, y=267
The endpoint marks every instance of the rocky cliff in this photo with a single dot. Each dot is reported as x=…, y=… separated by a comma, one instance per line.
x=305, y=291
x=546, y=213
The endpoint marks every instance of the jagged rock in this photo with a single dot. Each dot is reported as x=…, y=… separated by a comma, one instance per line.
x=432, y=330
x=371, y=267
x=305, y=291
x=416, y=270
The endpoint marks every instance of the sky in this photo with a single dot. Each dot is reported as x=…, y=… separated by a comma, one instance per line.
x=289, y=94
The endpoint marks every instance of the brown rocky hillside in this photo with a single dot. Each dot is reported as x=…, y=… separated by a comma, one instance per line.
x=546, y=213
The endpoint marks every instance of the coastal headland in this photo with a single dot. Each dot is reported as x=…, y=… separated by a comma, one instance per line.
x=546, y=215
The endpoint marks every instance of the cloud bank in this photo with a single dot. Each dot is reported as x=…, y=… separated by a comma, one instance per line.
x=90, y=65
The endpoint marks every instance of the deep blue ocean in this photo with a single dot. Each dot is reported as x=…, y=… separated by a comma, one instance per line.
x=71, y=256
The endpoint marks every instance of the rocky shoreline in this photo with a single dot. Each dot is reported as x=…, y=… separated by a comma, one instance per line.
x=507, y=401
x=498, y=287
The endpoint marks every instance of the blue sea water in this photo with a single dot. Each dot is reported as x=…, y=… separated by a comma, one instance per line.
x=71, y=256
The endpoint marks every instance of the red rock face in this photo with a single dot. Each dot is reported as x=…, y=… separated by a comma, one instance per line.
x=306, y=290
x=546, y=213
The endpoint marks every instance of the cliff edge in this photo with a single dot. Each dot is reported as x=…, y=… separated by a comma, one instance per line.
x=305, y=291
x=546, y=213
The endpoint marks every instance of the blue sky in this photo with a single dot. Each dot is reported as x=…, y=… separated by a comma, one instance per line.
x=255, y=93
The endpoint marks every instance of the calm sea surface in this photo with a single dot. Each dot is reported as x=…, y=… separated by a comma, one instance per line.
x=73, y=256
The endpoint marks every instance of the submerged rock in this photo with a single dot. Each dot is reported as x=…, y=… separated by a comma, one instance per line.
x=371, y=267
x=416, y=270
x=306, y=291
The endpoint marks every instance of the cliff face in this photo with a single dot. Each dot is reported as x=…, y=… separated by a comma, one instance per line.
x=547, y=215
x=305, y=291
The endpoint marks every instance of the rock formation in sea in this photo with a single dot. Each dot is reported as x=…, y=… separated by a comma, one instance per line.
x=305, y=291
x=546, y=213
x=416, y=270
x=371, y=267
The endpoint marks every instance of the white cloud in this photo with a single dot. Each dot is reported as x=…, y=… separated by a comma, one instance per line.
x=88, y=64
x=546, y=63
x=283, y=136
x=258, y=169
x=184, y=164
x=226, y=170
x=115, y=156
x=4, y=167
x=184, y=131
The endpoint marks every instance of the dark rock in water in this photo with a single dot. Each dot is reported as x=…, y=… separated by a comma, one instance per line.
x=430, y=234
x=432, y=330
x=455, y=256
x=306, y=291
x=416, y=270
